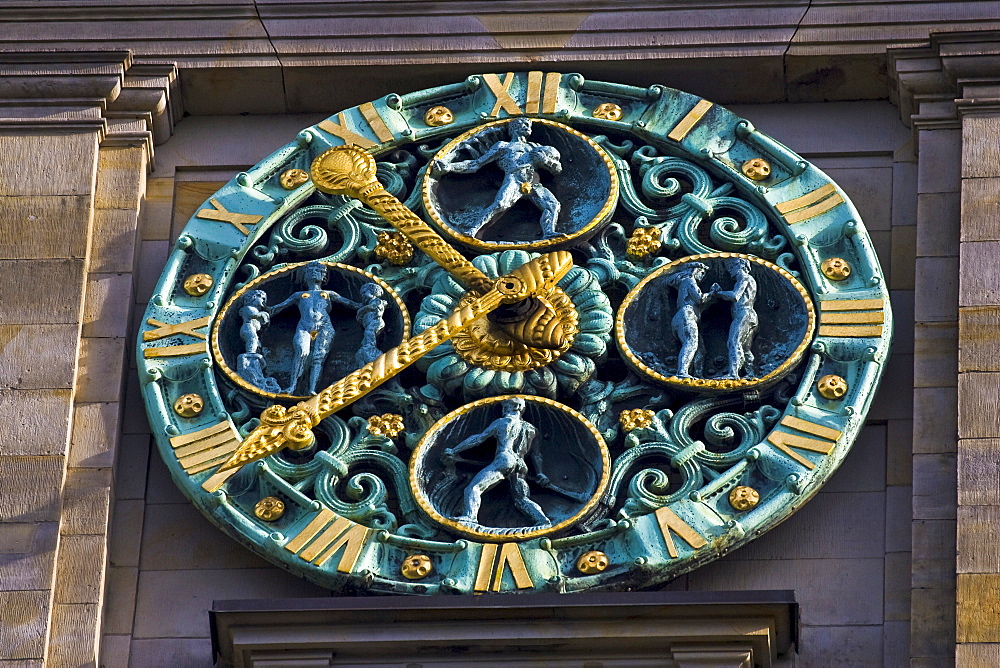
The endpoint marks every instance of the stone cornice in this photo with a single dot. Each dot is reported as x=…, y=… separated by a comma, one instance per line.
x=955, y=74
x=125, y=101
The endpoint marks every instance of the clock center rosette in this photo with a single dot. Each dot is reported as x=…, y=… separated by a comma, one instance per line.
x=484, y=361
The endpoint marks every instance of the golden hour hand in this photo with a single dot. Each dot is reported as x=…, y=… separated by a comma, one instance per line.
x=349, y=170
x=282, y=427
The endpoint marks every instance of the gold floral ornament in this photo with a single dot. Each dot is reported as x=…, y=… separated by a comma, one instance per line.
x=835, y=268
x=744, y=498
x=293, y=178
x=269, y=509
x=388, y=425
x=393, y=247
x=197, y=285
x=832, y=387
x=608, y=111
x=593, y=562
x=189, y=405
x=636, y=418
x=644, y=242
x=416, y=567
x=756, y=169
x=438, y=116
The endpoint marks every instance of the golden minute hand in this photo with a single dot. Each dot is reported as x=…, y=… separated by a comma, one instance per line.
x=292, y=427
x=349, y=170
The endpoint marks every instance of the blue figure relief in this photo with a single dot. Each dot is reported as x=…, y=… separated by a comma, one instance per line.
x=686, y=323
x=520, y=161
x=744, y=318
x=251, y=364
x=515, y=439
x=371, y=317
x=314, y=333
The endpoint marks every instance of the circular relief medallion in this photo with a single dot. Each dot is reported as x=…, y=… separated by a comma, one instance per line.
x=735, y=322
x=510, y=468
x=520, y=183
x=299, y=328
x=384, y=358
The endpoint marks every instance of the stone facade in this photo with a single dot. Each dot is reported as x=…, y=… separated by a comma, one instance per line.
x=109, y=143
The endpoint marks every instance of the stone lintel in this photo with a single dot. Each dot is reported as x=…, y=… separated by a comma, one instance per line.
x=676, y=629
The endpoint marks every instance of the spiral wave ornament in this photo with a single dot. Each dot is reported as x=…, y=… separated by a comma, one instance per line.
x=567, y=336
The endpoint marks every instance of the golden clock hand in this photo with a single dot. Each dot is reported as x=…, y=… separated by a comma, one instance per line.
x=349, y=170
x=292, y=428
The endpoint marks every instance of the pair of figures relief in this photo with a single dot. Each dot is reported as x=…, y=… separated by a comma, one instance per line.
x=314, y=331
x=692, y=301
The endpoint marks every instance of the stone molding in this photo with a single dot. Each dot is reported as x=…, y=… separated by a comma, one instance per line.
x=127, y=102
x=672, y=629
x=954, y=75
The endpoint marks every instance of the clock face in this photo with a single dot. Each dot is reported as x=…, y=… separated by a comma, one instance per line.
x=526, y=332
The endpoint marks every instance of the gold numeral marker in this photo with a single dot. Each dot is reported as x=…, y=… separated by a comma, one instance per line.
x=668, y=521
x=851, y=317
x=492, y=564
x=685, y=125
x=785, y=441
x=376, y=123
x=163, y=330
x=206, y=448
x=810, y=205
x=542, y=97
x=502, y=94
x=325, y=535
x=187, y=327
x=348, y=135
x=237, y=219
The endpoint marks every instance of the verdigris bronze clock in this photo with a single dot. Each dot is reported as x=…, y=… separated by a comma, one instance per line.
x=525, y=332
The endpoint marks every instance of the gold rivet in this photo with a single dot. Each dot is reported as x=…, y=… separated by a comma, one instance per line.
x=756, y=169
x=269, y=508
x=636, y=418
x=835, y=268
x=592, y=562
x=416, y=567
x=608, y=111
x=832, y=387
x=744, y=498
x=197, y=285
x=438, y=116
x=293, y=178
x=189, y=405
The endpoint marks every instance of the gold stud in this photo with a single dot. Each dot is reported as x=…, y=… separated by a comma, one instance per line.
x=835, y=268
x=416, y=567
x=197, y=285
x=388, y=425
x=608, y=111
x=293, y=178
x=269, y=508
x=636, y=418
x=644, y=242
x=832, y=387
x=189, y=405
x=744, y=498
x=593, y=562
x=394, y=247
x=438, y=116
x=756, y=169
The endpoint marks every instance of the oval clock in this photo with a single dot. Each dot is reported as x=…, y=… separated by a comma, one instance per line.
x=525, y=332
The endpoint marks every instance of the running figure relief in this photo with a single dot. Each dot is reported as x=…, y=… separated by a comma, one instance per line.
x=520, y=160
x=515, y=438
